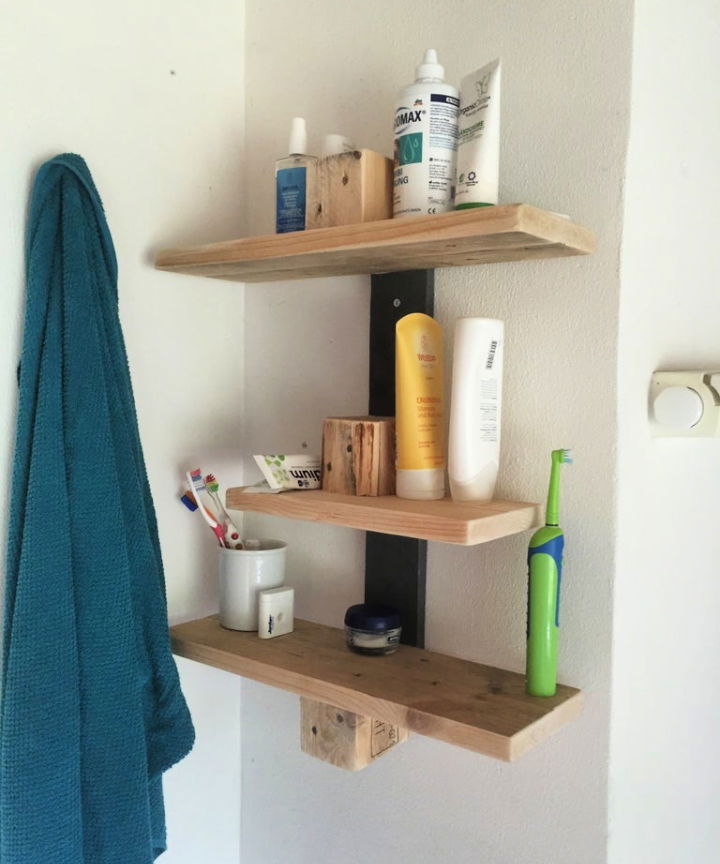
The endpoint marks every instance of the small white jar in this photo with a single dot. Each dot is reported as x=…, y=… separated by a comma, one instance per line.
x=372, y=629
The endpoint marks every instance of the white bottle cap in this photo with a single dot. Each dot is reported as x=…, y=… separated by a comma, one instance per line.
x=335, y=144
x=430, y=68
x=420, y=484
x=298, y=137
x=479, y=488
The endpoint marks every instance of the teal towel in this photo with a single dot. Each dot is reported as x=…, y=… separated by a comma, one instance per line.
x=92, y=712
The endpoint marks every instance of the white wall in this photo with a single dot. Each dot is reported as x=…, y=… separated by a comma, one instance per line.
x=151, y=94
x=565, y=115
x=665, y=754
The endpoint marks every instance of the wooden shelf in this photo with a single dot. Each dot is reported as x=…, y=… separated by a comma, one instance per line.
x=466, y=523
x=512, y=232
x=473, y=706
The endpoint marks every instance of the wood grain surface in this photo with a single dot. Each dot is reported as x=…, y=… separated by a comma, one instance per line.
x=343, y=738
x=466, y=523
x=468, y=704
x=511, y=232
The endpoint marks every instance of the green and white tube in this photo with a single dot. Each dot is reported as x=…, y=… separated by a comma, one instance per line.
x=478, y=152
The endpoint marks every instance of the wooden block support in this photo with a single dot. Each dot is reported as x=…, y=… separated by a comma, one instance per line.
x=359, y=455
x=343, y=738
x=349, y=188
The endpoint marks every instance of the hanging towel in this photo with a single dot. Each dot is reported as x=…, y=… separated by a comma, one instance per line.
x=92, y=712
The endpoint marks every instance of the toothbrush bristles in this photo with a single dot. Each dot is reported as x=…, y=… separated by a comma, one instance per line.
x=567, y=456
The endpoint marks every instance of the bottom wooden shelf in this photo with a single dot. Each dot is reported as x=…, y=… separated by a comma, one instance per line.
x=468, y=704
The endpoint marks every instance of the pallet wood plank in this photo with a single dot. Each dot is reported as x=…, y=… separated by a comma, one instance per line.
x=466, y=523
x=468, y=704
x=511, y=232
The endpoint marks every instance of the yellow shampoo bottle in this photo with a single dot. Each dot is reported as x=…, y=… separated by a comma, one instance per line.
x=419, y=408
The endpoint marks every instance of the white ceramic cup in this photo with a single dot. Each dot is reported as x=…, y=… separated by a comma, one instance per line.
x=244, y=572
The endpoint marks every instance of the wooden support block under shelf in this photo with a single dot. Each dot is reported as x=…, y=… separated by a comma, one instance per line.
x=464, y=522
x=343, y=738
x=468, y=704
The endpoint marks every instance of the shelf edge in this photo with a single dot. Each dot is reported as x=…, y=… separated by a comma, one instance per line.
x=276, y=257
x=355, y=512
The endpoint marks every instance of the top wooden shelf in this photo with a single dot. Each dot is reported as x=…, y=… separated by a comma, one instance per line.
x=511, y=232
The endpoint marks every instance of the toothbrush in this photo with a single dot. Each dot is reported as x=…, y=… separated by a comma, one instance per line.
x=545, y=569
x=196, y=482
x=190, y=501
x=232, y=535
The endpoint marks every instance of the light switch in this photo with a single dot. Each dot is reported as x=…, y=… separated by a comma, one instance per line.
x=685, y=403
x=678, y=407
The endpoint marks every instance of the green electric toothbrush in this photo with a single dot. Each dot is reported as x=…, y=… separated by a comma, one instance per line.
x=545, y=569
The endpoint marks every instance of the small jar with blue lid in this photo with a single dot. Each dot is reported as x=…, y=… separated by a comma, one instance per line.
x=372, y=628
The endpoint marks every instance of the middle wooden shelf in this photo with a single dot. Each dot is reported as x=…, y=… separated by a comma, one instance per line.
x=466, y=523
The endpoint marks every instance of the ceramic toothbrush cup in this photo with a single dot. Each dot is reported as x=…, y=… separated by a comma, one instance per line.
x=244, y=572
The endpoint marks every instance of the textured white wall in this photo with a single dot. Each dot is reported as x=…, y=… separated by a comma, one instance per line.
x=151, y=94
x=565, y=115
x=152, y=97
x=665, y=754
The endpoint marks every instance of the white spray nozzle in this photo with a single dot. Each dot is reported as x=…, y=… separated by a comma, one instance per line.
x=430, y=68
x=298, y=137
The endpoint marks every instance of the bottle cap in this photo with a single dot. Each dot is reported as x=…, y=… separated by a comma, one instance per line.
x=335, y=144
x=298, y=137
x=372, y=617
x=430, y=68
x=420, y=484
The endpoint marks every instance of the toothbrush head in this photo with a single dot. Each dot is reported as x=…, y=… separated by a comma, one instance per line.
x=188, y=499
x=211, y=483
x=197, y=480
x=558, y=457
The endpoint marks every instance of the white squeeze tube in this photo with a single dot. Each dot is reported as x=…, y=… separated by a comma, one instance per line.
x=474, y=445
x=478, y=156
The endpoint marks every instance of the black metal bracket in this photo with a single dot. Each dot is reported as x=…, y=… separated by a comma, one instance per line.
x=395, y=567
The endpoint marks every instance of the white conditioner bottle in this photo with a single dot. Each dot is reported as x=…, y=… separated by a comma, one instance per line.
x=474, y=440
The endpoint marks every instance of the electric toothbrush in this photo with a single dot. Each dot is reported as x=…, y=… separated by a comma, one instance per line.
x=544, y=573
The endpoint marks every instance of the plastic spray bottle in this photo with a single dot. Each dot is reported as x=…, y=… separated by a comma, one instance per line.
x=291, y=181
x=426, y=134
